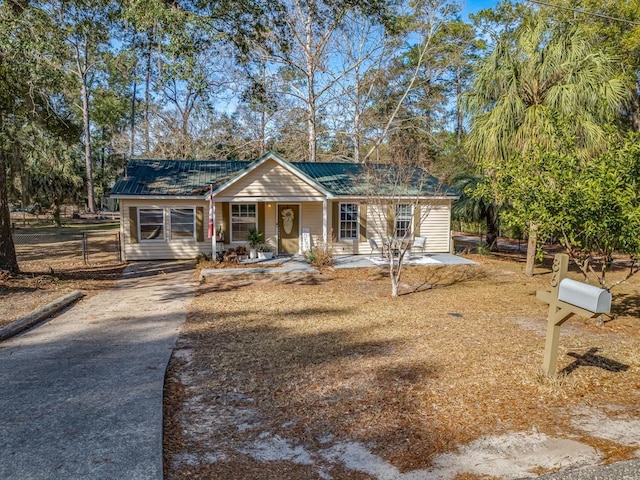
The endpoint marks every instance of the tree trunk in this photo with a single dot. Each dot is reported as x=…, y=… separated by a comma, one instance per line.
x=492, y=230
x=147, y=100
x=263, y=110
x=635, y=108
x=91, y=202
x=311, y=123
x=133, y=115
x=356, y=119
x=8, y=259
x=311, y=94
x=459, y=113
x=392, y=276
x=56, y=215
x=531, y=249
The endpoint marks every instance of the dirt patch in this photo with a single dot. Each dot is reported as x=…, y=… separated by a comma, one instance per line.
x=34, y=288
x=335, y=379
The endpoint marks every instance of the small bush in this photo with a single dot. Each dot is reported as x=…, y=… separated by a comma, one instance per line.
x=203, y=257
x=320, y=256
x=204, y=260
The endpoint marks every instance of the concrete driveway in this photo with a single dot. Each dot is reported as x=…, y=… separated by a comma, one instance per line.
x=81, y=396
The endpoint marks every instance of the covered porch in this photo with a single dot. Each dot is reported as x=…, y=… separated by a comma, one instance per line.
x=289, y=226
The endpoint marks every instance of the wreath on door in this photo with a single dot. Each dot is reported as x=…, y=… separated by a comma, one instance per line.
x=287, y=220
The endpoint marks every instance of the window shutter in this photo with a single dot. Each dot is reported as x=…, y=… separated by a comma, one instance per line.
x=199, y=224
x=416, y=220
x=226, y=224
x=261, y=220
x=391, y=221
x=335, y=221
x=133, y=224
x=363, y=222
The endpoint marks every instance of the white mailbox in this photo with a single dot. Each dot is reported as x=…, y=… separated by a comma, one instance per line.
x=583, y=295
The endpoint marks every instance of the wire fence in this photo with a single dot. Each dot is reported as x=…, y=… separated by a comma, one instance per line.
x=82, y=247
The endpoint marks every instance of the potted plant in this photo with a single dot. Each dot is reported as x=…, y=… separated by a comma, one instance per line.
x=254, y=238
x=265, y=251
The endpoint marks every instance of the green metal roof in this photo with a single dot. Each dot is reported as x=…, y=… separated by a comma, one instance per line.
x=357, y=179
x=174, y=177
x=193, y=177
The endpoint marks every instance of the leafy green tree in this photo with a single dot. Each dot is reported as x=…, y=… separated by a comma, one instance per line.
x=614, y=26
x=532, y=79
x=30, y=82
x=602, y=211
x=475, y=207
x=592, y=208
x=87, y=27
x=54, y=175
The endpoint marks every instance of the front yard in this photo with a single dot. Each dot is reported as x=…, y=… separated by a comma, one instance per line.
x=328, y=377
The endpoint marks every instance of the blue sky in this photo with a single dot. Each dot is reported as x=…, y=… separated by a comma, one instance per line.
x=472, y=6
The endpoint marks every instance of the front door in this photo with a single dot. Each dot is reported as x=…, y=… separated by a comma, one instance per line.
x=289, y=229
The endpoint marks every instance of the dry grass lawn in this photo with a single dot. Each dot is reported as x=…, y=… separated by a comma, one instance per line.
x=49, y=271
x=334, y=357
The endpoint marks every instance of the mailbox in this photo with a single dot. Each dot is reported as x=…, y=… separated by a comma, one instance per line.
x=583, y=295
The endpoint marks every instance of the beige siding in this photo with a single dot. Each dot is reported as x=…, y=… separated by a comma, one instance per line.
x=435, y=226
x=312, y=219
x=162, y=250
x=270, y=224
x=269, y=180
x=436, y=218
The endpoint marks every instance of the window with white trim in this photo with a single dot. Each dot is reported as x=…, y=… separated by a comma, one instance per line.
x=243, y=219
x=182, y=223
x=348, y=221
x=151, y=221
x=404, y=219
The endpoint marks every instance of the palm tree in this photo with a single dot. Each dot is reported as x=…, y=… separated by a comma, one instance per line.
x=476, y=207
x=535, y=79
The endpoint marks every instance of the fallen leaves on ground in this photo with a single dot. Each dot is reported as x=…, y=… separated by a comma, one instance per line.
x=456, y=357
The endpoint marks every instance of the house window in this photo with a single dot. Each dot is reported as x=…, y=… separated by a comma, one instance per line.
x=182, y=223
x=151, y=223
x=243, y=219
x=404, y=218
x=348, y=221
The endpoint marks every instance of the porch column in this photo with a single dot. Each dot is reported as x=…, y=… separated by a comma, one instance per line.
x=325, y=218
x=212, y=218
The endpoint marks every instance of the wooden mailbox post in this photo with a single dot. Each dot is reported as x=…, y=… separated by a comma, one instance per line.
x=570, y=298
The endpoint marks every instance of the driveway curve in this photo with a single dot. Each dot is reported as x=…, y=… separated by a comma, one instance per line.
x=81, y=395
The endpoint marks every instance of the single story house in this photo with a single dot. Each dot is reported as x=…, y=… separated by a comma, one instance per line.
x=166, y=206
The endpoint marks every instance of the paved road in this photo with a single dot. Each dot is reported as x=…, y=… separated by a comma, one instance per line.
x=629, y=470
x=81, y=396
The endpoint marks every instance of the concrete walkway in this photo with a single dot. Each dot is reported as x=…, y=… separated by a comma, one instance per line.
x=432, y=259
x=296, y=264
x=81, y=396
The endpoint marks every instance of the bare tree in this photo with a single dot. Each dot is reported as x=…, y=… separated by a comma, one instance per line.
x=88, y=26
x=399, y=199
x=302, y=46
x=425, y=19
x=363, y=46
